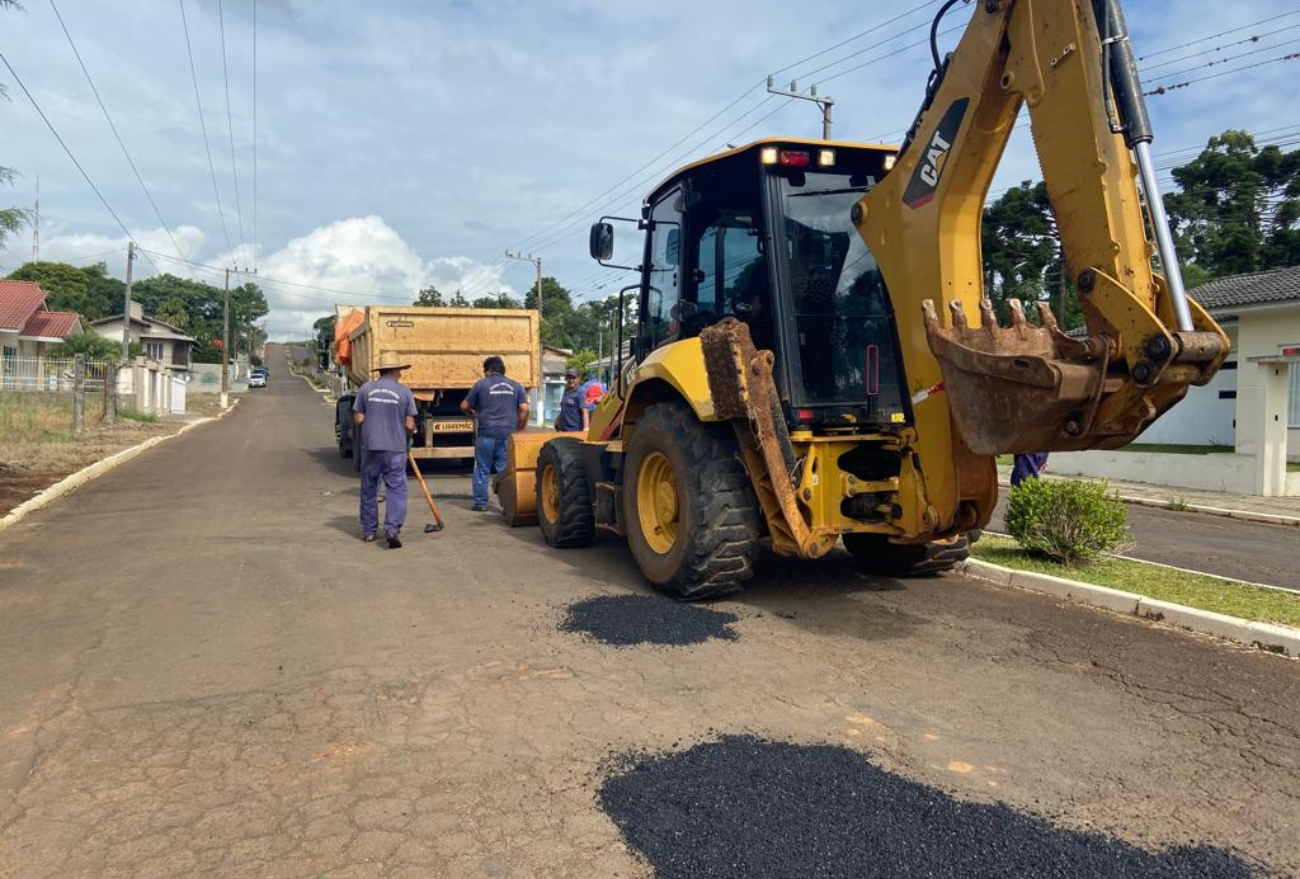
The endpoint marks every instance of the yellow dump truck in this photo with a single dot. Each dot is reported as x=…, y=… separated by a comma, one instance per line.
x=446, y=348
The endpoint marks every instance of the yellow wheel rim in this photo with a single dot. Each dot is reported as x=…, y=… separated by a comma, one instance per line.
x=656, y=502
x=551, y=494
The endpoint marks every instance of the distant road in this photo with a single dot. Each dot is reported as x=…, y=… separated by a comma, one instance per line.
x=1233, y=548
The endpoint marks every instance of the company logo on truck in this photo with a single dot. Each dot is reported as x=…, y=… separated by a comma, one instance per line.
x=929, y=171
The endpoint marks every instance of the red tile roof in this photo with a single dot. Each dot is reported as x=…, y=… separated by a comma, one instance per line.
x=50, y=324
x=19, y=300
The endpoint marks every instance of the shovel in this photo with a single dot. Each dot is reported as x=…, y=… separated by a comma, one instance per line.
x=431, y=527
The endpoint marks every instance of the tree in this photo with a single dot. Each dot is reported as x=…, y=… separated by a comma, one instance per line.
x=86, y=290
x=1022, y=254
x=500, y=300
x=1238, y=207
x=459, y=300
x=324, y=329
x=429, y=297
x=173, y=312
x=582, y=361
x=90, y=344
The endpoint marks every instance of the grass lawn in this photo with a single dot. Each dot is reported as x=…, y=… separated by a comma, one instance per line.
x=1194, y=590
x=1177, y=449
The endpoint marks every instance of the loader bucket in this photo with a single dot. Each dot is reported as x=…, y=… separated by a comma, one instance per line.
x=1017, y=389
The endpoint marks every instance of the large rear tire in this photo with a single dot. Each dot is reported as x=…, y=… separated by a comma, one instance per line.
x=564, y=506
x=876, y=555
x=691, y=516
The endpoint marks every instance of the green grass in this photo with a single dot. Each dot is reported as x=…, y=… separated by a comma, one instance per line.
x=132, y=415
x=1293, y=466
x=1177, y=449
x=1164, y=584
x=1006, y=460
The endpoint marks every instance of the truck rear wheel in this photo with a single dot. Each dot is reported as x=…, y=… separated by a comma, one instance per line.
x=691, y=517
x=564, y=507
x=876, y=555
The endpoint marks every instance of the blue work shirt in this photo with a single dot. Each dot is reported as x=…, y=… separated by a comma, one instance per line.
x=571, y=405
x=495, y=400
x=386, y=403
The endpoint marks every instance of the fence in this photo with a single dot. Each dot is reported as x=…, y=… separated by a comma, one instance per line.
x=49, y=374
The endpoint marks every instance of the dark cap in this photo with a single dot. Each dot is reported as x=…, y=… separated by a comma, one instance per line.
x=572, y=373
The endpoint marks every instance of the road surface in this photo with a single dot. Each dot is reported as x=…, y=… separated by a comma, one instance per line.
x=1250, y=551
x=206, y=673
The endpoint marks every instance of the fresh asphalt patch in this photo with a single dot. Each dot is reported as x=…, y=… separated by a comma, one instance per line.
x=627, y=620
x=748, y=808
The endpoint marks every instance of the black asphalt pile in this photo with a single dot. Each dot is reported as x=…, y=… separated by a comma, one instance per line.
x=625, y=620
x=752, y=809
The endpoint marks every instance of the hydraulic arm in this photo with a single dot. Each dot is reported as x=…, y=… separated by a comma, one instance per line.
x=984, y=389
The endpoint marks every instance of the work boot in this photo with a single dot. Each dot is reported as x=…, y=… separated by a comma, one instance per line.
x=368, y=538
x=394, y=542
x=479, y=508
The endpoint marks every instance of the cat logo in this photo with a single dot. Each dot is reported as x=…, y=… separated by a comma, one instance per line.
x=929, y=171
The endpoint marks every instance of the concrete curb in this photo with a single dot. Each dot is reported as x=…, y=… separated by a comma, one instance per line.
x=1243, y=515
x=1270, y=637
x=73, y=481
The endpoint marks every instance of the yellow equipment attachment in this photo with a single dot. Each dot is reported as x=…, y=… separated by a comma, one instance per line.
x=517, y=487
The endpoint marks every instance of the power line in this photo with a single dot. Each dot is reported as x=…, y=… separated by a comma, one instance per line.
x=1234, y=30
x=50, y=125
x=230, y=123
x=906, y=48
x=1166, y=89
x=134, y=170
x=1254, y=38
x=583, y=208
x=1218, y=61
x=857, y=36
x=204, y=126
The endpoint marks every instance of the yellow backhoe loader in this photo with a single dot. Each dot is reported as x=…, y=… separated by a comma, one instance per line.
x=813, y=358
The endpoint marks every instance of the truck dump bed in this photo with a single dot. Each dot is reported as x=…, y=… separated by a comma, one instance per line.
x=446, y=346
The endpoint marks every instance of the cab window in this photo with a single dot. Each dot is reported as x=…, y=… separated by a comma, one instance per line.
x=662, y=293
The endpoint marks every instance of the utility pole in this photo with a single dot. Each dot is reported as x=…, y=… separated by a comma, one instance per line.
x=126, y=305
x=225, y=335
x=825, y=102
x=36, y=224
x=225, y=345
x=541, y=348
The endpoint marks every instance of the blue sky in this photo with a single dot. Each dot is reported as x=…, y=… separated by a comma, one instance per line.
x=403, y=143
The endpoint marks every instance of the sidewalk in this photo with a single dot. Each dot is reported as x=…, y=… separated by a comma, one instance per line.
x=1275, y=510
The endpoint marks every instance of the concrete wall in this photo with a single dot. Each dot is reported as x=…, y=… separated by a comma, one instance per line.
x=1206, y=416
x=1217, y=472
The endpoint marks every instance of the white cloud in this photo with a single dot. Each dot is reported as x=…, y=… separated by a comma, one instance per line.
x=367, y=262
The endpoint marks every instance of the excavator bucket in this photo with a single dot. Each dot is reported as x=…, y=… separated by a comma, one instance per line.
x=1022, y=388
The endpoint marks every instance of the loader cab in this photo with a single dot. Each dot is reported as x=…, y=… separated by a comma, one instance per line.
x=764, y=233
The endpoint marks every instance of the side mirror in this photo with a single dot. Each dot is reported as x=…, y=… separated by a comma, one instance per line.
x=602, y=241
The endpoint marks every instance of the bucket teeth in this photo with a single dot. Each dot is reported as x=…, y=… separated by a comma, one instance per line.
x=988, y=319
x=958, y=316
x=1017, y=309
x=1046, y=317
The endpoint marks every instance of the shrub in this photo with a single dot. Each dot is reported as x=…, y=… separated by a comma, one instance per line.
x=1070, y=521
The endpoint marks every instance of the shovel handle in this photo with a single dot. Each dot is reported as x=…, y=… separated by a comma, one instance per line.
x=428, y=497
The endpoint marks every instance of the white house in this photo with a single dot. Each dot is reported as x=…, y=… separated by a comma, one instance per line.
x=1252, y=405
x=28, y=329
x=159, y=341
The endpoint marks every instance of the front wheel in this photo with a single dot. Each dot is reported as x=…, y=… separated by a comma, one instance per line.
x=564, y=506
x=691, y=516
x=876, y=555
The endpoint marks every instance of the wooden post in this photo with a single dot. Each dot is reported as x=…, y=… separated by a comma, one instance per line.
x=78, y=393
x=110, y=393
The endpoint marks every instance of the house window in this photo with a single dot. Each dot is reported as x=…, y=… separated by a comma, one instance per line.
x=153, y=350
x=1293, y=403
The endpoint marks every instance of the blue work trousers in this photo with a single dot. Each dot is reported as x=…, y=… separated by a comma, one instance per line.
x=390, y=467
x=1027, y=467
x=489, y=456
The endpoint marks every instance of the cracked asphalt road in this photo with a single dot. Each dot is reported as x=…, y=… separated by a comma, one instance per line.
x=205, y=673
